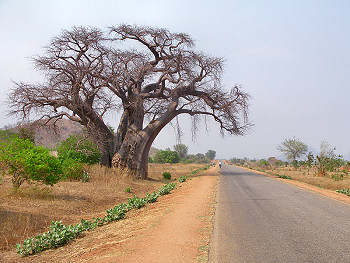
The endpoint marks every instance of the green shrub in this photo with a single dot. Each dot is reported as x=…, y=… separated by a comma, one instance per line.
x=183, y=178
x=166, y=157
x=263, y=164
x=72, y=169
x=26, y=162
x=128, y=190
x=79, y=148
x=167, y=175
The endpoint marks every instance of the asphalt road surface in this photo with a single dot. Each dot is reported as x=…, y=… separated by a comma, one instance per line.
x=260, y=219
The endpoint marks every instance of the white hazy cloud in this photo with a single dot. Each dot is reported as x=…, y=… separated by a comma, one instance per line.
x=292, y=56
x=268, y=52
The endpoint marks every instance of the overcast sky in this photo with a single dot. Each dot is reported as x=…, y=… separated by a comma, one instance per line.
x=291, y=56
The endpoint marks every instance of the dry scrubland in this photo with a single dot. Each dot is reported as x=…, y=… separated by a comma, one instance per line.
x=29, y=210
x=331, y=181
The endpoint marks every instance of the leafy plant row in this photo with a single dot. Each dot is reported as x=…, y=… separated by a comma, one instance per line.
x=201, y=169
x=60, y=234
x=284, y=176
x=344, y=191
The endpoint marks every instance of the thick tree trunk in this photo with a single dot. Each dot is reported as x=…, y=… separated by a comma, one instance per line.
x=105, y=141
x=106, y=153
x=133, y=153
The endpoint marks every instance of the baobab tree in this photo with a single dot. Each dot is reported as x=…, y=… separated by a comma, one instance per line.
x=146, y=76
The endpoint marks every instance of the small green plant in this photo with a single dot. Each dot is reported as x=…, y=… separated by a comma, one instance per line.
x=85, y=177
x=183, y=178
x=338, y=177
x=284, y=177
x=167, y=175
x=165, y=189
x=60, y=234
x=136, y=202
x=344, y=191
x=151, y=198
x=128, y=190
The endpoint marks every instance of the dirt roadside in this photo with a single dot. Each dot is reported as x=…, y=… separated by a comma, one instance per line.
x=177, y=228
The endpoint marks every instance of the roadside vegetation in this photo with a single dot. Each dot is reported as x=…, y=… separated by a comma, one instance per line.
x=324, y=169
x=65, y=192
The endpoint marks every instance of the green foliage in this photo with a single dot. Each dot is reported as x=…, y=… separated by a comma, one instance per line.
x=151, y=198
x=167, y=175
x=150, y=160
x=327, y=160
x=293, y=148
x=7, y=136
x=165, y=189
x=166, y=157
x=284, y=177
x=210, y=154
x=279, y=163
x=182, y=150
x=310, y=159
x=27, y=134
x=295, y=164
x=136, y=202
x=128, y=190
x=80, y=148
x=72, y=169
x=60, y=234
x=25, y=161
x=183, y=178
x=338, y=177
x=263, y=163
x=85, y=177
x=344, y=191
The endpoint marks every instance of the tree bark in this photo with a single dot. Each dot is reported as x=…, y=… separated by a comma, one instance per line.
x=133, y=153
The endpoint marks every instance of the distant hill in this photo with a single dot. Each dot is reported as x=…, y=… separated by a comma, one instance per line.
x=48, y=136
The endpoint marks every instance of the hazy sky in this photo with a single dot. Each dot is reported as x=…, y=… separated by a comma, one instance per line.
x=291, y=56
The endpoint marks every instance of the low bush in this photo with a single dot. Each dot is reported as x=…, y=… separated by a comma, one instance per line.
x=79, y=148
x=166, y=157
x=72, y=169
x=183, y=178
x=27, y=162
x=167, y=175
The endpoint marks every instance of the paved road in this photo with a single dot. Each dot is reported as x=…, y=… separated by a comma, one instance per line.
x=260, y=219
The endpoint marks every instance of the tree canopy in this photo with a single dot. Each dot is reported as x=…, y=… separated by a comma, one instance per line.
x=293, y=148
x=149, y=75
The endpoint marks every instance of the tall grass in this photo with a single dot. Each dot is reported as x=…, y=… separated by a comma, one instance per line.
x=70, y=201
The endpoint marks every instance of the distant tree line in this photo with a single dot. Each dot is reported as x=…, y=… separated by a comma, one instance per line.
x=179, y=154
x=296, y=152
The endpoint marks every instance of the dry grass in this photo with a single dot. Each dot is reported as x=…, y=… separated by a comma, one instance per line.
x=29, y=211
x=311, y=177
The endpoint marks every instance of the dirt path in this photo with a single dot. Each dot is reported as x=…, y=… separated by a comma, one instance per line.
x=177, y=228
